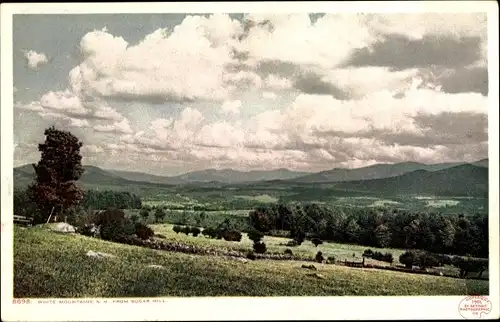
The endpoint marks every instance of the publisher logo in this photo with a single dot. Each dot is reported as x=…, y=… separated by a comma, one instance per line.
x=474, y=307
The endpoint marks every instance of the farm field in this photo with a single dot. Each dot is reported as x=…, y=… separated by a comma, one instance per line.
x=40, y=270
x=307, y=249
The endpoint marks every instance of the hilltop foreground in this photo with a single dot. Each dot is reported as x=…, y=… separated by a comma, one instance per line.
x=54, y=265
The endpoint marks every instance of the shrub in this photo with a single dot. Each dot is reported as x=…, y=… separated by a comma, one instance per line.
x=195, y=231
x=143, y=231
x=319, y=257
x=316, y=241
x=288, y=251
x=144, y=213
x=408, y=259
x=251, y=256
x=134, y=218
x=387, y=257
x=231, y=235
x=426, y=260
x=368, y=253
x=467, y=265
x=209, y=232
x=259, y=247
x=177, y=229
x=112, y=223
x=255, y=235
x=331, y=260
x=186, y=230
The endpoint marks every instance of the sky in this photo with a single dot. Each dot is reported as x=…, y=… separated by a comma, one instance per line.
x=172, y=93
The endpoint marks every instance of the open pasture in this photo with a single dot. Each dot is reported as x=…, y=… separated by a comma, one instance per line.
x=44, y=271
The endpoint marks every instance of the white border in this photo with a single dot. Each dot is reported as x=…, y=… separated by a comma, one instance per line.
x=320, y=308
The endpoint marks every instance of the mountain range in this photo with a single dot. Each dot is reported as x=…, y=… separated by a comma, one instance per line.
x=410, y=177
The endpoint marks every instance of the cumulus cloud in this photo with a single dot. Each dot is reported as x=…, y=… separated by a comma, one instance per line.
x=34, y=59
x=283, y=91
x=231, y=107
x=184, y=64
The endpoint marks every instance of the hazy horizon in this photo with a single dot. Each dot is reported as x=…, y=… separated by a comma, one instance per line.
x=168, y=94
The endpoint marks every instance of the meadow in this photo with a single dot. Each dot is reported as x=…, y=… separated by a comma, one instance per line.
x=42, y=270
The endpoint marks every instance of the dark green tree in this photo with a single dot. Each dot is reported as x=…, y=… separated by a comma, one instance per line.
x=144, y=213
x=382, y=236
x=60, y=166
x=159, y=215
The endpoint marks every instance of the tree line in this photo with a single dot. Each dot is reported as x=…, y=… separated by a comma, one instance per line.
x=433, y=232
x=92, y=199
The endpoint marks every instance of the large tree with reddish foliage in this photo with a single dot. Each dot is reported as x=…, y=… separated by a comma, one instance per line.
x=60, y=166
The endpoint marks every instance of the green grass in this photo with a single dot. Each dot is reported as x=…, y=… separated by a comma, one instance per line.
x=49, y=264
x=278, y=244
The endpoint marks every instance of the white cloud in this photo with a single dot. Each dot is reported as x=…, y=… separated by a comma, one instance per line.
x=362, y=81
x=91, y=149
x=294, y=38
x=34, y=59
x=185, y=64
x=269, y=95
x=277, y=83
x=231, y=107
x=384, y=116
x=122, y=127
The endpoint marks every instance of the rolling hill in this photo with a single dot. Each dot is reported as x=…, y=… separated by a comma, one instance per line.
x=92, y=177
x=402, y=178
x=461, y=180
x=212, y=175
x=376, y=171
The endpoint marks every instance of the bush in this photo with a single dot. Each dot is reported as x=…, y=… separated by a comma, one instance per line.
x=259, y=247
x=255, y=236
x=251, y=256
x=319, y=257
x=209, y=232
x=408, y=259
x=144, y=213
x=143, y=231
x=467, y=265
x=195, y=231
x=177, y=229
x=288, y=251
x=387, y=257
x=186, y=230
x=426, y=260
x=331, y=260
x=316, y=242
x=231, y=235
x=112, y=224
x=134, y=218
x=368, y=253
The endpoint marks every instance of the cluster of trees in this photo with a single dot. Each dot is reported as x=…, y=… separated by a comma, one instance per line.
x=434, y=232
x=112, y=225
x=220, y=232
x=387, y=257
x=97, y=199
x=425, y=260
x=195, y=231
x=159, y=214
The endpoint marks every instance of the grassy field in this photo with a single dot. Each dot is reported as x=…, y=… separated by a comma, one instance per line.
x=277, y=244
x=306, y=249
x=49, y=264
